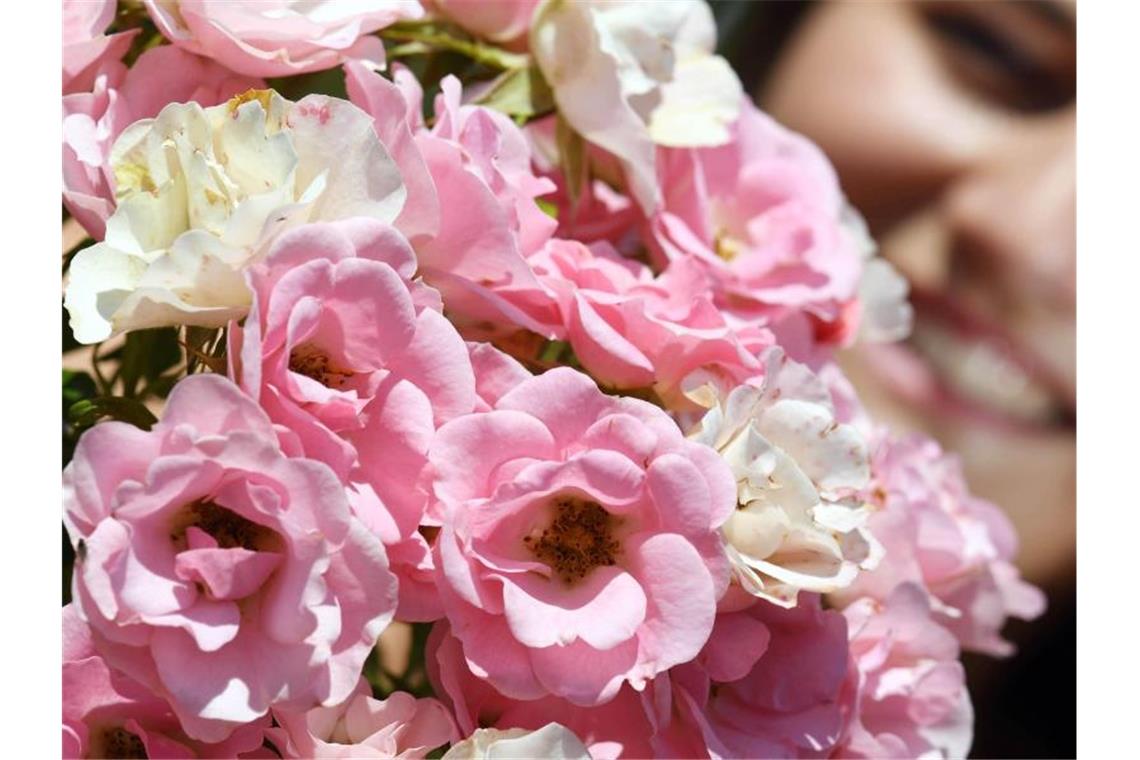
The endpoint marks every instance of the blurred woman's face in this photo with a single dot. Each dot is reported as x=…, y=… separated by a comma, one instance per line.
x=952, y=127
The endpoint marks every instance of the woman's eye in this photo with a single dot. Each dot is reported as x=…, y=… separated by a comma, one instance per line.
x=989, y=62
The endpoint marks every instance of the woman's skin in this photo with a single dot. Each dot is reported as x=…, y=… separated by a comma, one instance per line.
x=952, y=127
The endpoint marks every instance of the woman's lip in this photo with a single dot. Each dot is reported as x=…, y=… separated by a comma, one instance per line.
x=936, y=305
x=910, y=376
x=912, y=370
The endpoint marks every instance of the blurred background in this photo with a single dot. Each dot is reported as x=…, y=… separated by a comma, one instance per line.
x=952, y=126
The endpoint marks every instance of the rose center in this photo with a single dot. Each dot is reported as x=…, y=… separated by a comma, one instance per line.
x=121, y=743
x=315, y=364
x=727, y=246
x=227, y=527
x=578, y=539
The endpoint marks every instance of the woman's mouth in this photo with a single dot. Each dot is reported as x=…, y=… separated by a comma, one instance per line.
x=958, y=363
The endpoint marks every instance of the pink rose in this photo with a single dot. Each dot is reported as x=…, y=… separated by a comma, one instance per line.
x=480, y=163
x=222, y=575
x=279, y=38
x=780, y=680
x=86, y=50
x=579, y=547
x=91, y=122
x=501, y=273
x=397, y=121
x=108, y=714
x=356, y=364
x=763, y=214
x=496, y=152
x=632, y=330
x=479, y=171
x=502, y=21
x=912, y=698
x=618, y=728
x=400, y=726
x=119, y=97
x=496, y=374
x=769, y=683
x=957, y=547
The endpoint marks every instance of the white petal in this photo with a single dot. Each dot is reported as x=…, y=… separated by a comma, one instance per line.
x=698, y=106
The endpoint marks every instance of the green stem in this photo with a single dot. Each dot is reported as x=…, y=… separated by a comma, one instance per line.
x=490, y=56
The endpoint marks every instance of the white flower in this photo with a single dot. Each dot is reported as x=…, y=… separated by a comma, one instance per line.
x=630, y=74
x=799, y=524
x=201, y=191
x=553, y=741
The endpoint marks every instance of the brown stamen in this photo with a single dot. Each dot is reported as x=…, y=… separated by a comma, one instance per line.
x=121, y=743
x=315, y=364
x=228, y=528
x=578, y=539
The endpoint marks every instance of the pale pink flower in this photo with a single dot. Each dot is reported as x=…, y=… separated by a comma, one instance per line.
x=479, y=170
x=358, y=366
x=579, y=547
x=912, y=698
x=633, y=330
x=501, y=274
x=765, y=216
x=224, y=576
x=86, y=50
x=281, y=37
x=496, y=374
x=618, y=728
x=600, y=211
x=108, y=714
x=769, y=682
x=92, y=120
x=397, y=120
x=399, y=726
x=502, y=21
x=493, y=150
x=937, y=535
x=781, y=682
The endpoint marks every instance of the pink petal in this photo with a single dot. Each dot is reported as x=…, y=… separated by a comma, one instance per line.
x=227, y=573
x=682, y=598
x=603, y=610
x=467, y=450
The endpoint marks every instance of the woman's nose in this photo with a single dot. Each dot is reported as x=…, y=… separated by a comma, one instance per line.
x=1012, y=211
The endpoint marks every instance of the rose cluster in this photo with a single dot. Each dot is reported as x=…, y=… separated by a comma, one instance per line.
x=544, y=368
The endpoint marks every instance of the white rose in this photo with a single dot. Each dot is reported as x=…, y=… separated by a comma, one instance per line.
x=799, y=524
x=631, y=74
x=551, y=741
x=201, y=191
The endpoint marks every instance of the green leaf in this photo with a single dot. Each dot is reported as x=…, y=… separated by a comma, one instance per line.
x=520, y=93
x=77, y=387
x=551, y=353
x=548, y=207
x=87, y=412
